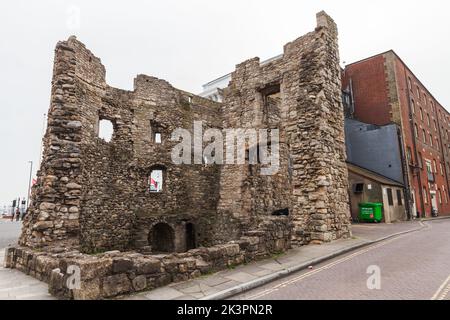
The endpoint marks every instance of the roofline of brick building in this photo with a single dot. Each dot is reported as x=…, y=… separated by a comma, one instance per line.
x=407, y=67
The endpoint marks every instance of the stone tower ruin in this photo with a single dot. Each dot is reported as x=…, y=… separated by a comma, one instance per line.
x=94, y=195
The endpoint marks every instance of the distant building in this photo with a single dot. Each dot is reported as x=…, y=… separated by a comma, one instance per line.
x=369, y=187
x=382, y=90
x=375, y=148
x=376, y=171
x=213, y=89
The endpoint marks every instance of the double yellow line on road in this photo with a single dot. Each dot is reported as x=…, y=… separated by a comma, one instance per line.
x=443, y=290
x=332, y=264
x=328, y=266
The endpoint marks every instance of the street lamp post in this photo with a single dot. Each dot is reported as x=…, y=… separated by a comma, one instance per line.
x=29, y=183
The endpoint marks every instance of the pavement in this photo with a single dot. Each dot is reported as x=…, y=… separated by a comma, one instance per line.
x=15, y=285
x=228, y=283
x=414, y=266
x=9, y=232
x=231, y=283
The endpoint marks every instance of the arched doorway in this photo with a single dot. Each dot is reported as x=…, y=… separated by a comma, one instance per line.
x=190, y=237
x=162, y=238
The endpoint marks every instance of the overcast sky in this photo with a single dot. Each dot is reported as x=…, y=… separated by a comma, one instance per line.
x=189, y=43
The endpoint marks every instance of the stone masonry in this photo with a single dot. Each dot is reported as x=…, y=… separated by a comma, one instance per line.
x=92, y=206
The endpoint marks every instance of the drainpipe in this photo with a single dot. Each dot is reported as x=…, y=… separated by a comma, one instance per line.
x=352, y=100
x=405, y=173
x=411, y=124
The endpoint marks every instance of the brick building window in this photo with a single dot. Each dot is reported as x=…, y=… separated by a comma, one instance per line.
x=429, y=167
x=413, y=106
x=425, y=196
x=424, y=136
x=409, y=155
x=416, y=131
x=409, y=83
x=420, y=161
x=428, y=120
x=440, y=196
x=421, y=114
x=431, y=140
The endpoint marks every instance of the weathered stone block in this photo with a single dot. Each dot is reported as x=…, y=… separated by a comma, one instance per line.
x=121, y=265
x=90, y=268
x=147, y=266
x=90, y=290
x=43, y=225
x=139, y=283
x=115, y=285
x=232, y=249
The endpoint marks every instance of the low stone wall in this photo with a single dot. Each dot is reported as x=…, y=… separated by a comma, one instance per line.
x=114, y=273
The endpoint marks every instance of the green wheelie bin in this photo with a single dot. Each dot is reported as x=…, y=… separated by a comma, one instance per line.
x=371, y=212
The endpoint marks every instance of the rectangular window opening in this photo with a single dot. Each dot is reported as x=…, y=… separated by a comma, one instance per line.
x=390, y=197
x=359, y=188
x=156, y=181
x=399, y=198
x=158, y=138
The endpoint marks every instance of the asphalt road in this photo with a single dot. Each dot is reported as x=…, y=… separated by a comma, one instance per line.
x=415, y=266
x=9, y=232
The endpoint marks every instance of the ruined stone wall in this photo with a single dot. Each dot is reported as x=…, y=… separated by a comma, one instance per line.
x=95, y=193
x=312, y=178
x=56, y=197
x=93, y=196
x=110, y=274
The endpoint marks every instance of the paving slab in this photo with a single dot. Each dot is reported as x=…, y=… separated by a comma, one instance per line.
x=164, y=293
x=213, y=280
x=16, y=285
x=241, y=277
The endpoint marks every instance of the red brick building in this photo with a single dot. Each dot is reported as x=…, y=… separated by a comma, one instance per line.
x=382, y=90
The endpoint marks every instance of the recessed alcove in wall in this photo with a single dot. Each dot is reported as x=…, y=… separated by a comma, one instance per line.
x=162, y=238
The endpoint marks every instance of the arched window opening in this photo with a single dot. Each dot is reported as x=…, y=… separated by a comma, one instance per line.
x=162, y=238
